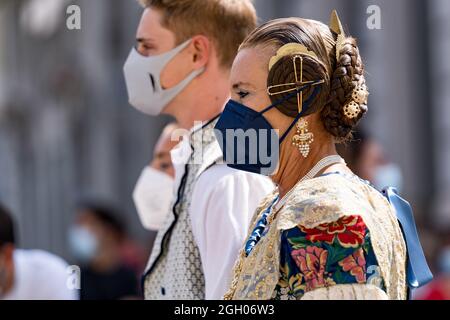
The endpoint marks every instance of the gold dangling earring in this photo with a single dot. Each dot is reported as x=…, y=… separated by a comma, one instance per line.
x=303, y=138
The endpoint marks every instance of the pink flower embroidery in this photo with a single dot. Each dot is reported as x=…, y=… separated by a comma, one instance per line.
x=311, y=262
x=356, y=264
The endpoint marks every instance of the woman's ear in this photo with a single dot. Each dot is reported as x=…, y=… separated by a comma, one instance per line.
x=201, y=47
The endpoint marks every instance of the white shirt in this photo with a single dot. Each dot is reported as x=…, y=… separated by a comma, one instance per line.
x=223, y=203
x=39, y=275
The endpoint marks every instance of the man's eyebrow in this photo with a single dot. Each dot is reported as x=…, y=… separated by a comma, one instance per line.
x=140, y=40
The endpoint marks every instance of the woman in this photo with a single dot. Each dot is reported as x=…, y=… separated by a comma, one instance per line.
x=324, y=233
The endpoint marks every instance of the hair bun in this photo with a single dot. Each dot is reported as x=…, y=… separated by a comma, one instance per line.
x=348, y=95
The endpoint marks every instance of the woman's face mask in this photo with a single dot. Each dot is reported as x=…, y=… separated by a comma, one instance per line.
x=153, y=196
x=248, y=141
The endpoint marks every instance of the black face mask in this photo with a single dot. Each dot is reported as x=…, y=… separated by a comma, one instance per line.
x=247, y=139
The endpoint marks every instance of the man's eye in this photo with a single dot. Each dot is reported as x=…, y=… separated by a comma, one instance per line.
x=242, y=94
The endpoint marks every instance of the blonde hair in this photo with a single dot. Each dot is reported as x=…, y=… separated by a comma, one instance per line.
x=225, y=22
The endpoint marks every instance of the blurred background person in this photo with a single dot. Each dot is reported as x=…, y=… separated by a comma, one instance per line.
x=367, y=158
x=29, y=274
x=96, y=240
x=154, y=190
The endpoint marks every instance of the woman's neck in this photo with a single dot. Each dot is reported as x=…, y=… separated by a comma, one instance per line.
x=294, y=167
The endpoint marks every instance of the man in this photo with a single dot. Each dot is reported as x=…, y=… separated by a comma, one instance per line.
x=185, y=49
x=29, y=274
x=153, y=193
x=96, y=240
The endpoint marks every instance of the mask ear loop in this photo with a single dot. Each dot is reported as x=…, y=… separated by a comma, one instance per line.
x=293, y=94
x=307, y=103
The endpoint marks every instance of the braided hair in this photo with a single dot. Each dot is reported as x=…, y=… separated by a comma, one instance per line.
x=348, y=75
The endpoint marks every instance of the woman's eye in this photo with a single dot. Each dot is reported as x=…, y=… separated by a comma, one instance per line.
x=242, y=94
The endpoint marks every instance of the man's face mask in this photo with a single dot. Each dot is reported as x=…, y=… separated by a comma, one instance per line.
x=152, y=197
x=143, y=80
x=247, y=139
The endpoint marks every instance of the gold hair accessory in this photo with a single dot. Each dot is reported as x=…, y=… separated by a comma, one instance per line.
x=352, y=110
x=303, y=138
x=290, y=49
x=336, y=27
x=297, y=50
x=359, y=97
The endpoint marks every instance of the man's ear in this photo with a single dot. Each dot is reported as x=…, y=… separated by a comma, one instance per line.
x=201, y=46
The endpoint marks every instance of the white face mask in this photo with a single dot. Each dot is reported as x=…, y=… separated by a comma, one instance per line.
x=83, y=244
x=142, y=77
x=152, y=197
x=388, y=175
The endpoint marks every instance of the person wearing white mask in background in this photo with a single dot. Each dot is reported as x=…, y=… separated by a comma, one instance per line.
x=95, y=240
x=154, y=190
x=181, y=67
x=30, y=274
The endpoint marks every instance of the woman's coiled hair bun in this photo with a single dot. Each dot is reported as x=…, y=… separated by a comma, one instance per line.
x=283, y=72
x=348, y=74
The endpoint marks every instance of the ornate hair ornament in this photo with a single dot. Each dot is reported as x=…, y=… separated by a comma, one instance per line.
x=336, y=27
x=297, y=51
x=360, y=93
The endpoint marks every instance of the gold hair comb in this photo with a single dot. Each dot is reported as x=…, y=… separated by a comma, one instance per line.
x=297, y=50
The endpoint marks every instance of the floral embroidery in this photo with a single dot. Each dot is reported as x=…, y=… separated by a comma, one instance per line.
x=348, y=230
x=356, y=264
x=311, y=262
x=326, y=256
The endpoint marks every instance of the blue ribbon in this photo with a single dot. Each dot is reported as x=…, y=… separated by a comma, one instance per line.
x=417, y=272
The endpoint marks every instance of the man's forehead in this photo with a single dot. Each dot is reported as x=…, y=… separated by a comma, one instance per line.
x=150, y=26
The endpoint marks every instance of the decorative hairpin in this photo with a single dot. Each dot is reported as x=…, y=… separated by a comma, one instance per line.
x=298, y=51
x=336, y=27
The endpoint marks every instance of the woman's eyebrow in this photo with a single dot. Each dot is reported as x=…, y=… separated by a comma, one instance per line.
x=239, y=84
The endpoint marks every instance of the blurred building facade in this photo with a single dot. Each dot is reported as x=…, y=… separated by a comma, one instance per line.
x=66, y=129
